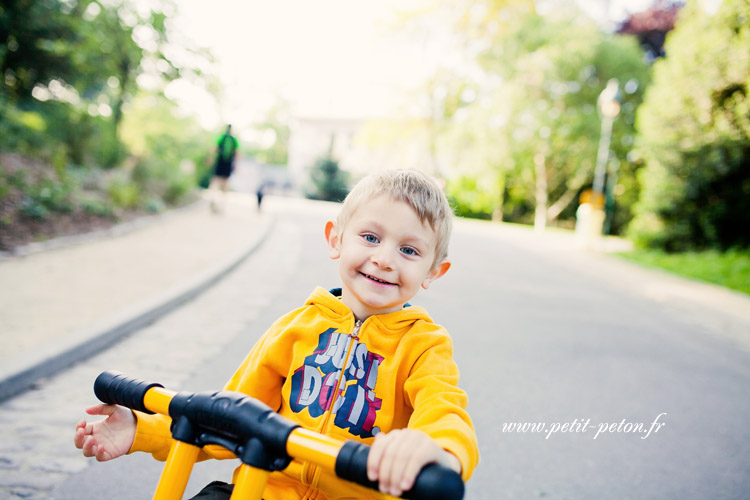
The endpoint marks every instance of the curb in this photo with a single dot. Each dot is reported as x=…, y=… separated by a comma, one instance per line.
x=21, y=373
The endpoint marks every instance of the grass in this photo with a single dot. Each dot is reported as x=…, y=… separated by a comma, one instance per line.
x=729, y=269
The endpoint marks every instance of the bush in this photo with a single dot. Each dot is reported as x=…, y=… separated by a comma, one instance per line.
x=177, y=188
x=165, y=145
x=468, y=199
x=158, y=179
x=694, y=135
x=58, y=133
x=96, y=205
x=123, y=192
x=329, y=182
x=33, y=209
x=43, y=194
x=155, y=205
x=20, y=131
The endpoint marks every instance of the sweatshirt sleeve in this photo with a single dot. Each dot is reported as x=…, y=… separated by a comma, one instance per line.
x=260, y=375
x=440, y=405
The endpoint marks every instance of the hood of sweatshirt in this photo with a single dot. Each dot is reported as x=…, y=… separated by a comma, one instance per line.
x=394, y=323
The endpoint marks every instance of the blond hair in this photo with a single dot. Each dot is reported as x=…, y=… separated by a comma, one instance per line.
x=416, y=189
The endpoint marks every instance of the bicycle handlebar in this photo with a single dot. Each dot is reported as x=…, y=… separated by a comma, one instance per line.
x=434, y=481
x=115, y=388
x=236, y=420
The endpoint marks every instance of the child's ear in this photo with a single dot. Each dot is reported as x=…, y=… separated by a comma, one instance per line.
x=439, y=270
x=334, y=242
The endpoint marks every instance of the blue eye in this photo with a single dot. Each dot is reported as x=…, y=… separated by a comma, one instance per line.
x=409, y=251
x=370, y=238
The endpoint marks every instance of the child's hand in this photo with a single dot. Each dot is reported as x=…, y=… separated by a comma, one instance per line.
x=397, y=457
x=109, y=438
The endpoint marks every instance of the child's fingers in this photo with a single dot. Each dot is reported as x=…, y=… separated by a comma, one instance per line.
x=396, y=458
x=101, y=409
x=409, y=456
x=412, y=467
x=373, y=458
x=410, y=451
x=89, y=446
x=101, y=454
x=390, y=462
x=379, y=459
x=387, y=470
x=78, y=437
x=83, y=429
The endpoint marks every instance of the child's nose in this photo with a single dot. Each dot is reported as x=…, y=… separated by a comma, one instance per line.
x=382, y=258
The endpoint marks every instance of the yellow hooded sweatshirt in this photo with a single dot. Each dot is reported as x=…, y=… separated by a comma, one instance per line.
x=321, y=369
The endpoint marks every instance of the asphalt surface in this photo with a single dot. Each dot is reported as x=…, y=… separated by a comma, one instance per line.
x=544, y=334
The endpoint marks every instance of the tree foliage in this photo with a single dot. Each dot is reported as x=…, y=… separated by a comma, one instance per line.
x=36, y=42
x=535, y=131
x=329, y=182
x=74, y=75
x=652, y=25
x=170, y=152
x=272, y=147
x=82, y=57
x=694, y=135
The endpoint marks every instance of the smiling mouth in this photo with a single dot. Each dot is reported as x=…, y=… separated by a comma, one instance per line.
x=377, y=280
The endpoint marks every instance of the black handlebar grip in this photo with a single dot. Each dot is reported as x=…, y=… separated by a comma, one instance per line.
x=434, y=482
x=114, y=388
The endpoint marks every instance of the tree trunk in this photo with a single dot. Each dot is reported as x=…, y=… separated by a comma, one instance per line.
x=554, y=210
x=497, y=212
x=540, y=212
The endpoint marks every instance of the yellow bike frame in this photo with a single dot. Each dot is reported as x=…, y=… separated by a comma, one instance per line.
x=218, y=412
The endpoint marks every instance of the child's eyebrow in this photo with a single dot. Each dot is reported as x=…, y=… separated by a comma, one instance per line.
x=418, y=242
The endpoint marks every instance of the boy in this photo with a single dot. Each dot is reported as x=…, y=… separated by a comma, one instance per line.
x=361, y=364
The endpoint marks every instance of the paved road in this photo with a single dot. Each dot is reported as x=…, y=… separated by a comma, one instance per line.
x=543, y=335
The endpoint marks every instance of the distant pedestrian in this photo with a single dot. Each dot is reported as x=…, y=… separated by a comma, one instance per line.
x=260, y=192
x=226, y=153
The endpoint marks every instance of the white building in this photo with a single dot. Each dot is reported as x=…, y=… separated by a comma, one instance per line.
x=359, y=145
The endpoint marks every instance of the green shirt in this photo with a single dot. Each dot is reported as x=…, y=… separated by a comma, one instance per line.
x=227, y=146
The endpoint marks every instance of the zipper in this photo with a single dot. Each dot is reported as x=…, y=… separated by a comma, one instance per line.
x=329, y=413
x=352, y=336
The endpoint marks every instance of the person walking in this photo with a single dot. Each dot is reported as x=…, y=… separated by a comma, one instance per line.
x=226, y=153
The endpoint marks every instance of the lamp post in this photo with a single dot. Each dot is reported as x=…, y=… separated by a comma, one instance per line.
x=590, y=214
x=609, y=107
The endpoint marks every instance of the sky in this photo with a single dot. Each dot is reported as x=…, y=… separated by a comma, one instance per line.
x=333, y=58
x=328, y=57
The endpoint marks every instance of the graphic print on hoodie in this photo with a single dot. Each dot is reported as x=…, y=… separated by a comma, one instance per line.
x=315, y=382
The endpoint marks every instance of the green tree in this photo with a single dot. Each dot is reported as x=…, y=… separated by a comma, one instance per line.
x=273, y=148
x=74, y=79
x=537, y=127
x=329, y=182
x=170, y=153
x=119, y=42
x=35, y=45
x=75, y=64
x=694, y=135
